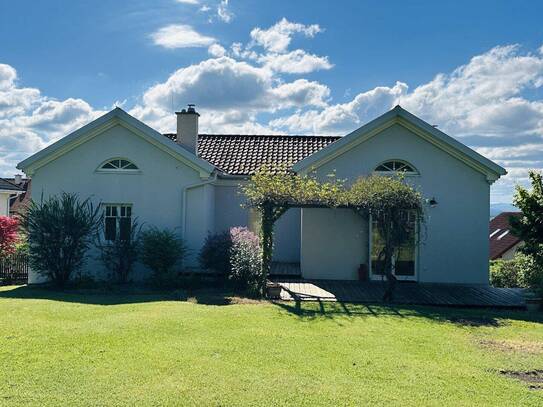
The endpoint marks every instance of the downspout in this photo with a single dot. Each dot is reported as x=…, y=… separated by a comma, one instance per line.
x=184, y=203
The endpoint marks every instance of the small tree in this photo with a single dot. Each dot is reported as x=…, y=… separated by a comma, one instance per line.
x=8, y=235
x=529, y=226
x=161, y=251
x=60, y=231
x=119, y=255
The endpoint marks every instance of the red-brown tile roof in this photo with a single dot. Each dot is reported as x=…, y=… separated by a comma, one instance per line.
x=501, y=238
x=237, y=154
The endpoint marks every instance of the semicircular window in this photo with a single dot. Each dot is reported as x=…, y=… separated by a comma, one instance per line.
x=119, y=164
x=396, y=166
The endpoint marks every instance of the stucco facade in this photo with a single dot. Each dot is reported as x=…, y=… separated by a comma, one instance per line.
x=172, y=188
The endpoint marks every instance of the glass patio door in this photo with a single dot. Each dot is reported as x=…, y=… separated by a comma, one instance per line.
x=404, y=261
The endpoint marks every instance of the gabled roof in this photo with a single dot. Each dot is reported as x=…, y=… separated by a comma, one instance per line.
x=8, y=186
x=401, y=116
x=115, y=117
x=237, y=154
x=500, y=236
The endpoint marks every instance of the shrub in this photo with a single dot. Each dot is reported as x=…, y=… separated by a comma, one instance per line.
x=162, y=250
x=246, y=261
x=119, y=255
x=215, y=253
x=521, y=271
x=8, y=235
x=59, y=231
x=506, y=273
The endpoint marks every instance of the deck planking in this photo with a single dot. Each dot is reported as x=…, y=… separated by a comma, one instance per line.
x=405, y=293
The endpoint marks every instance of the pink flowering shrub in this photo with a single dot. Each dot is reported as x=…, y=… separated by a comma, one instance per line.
x=246, y=260
x=8, y=235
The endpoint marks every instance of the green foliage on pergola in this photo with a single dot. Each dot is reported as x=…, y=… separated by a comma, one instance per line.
x=272, y=191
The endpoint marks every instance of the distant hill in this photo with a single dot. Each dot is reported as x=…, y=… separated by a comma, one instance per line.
x=498, y=208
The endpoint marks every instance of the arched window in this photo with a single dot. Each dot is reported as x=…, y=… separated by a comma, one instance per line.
x=118, y=164
x=396, y=166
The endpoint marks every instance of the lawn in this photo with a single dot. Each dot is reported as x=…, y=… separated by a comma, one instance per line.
x=153, y=349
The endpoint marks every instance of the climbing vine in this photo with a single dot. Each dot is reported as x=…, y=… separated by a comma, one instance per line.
x=273, y=190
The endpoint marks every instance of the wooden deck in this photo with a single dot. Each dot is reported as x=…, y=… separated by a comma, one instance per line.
x=405, y=293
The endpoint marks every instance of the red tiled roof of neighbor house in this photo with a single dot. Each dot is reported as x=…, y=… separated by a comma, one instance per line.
x=238, y=154
x=501, y=238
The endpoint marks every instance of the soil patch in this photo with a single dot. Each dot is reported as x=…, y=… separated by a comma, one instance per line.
x=510, y=345
x=534, y=378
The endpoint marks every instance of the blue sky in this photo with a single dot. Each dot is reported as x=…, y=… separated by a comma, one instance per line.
x=473, y=68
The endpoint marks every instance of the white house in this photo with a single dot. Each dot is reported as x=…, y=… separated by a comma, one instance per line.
x=7, y=191
x=190, y=182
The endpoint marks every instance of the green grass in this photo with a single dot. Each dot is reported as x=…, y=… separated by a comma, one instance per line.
x=148, y=349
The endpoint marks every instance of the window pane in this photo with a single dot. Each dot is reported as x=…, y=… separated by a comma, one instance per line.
x=131, y=166
x=123, y=208
x=129, y=211
x=125, y=225
x=108, y=165
x=124, y=163
x=110, y=229
x=113, y=211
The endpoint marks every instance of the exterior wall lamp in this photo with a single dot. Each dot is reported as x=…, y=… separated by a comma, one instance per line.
x=432, y=202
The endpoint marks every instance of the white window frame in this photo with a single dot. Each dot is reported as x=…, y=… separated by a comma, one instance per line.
x=413, y=173
x=380, y=277
x=137, y=170
x=118, y=209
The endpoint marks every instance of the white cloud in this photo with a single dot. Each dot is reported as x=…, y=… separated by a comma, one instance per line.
x=277, y=38
x=180, y=36
x=193, y=2
x=222, y=86
x=216, y=50
x=29, y=121
x=204, y=9
x=223, y=12
x=295, y=62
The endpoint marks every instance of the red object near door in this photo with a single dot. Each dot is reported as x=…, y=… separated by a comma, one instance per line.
x=363, y=272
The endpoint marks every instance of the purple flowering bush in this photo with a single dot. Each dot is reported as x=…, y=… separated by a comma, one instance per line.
x=245, y=260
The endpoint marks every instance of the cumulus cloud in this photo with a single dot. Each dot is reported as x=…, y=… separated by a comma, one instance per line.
x=277, y=38
x=223, y=12
x=295, y=62
x=221, y=86
x=180, y=36
x=29, y=121
x=216, y=50
x=193, y=2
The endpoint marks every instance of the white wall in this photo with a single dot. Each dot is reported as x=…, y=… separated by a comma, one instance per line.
x=455, y=246
x=335, y=243
x=229, y=213
x=155, y=192
x=4, y=204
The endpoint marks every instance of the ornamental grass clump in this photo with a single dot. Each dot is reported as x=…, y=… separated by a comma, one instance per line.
x=60, y=231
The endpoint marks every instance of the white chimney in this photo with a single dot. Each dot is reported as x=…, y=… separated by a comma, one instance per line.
x=187, y=129
x=17, y=179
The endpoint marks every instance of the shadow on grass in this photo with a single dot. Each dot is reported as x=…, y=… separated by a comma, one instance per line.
x=465, y=317
x=116, y=295
x=218, y=296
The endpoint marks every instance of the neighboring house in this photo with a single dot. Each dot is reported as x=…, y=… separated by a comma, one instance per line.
x=190, y=182
x=18, y=203
x=7, y=191
x=503, y=244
